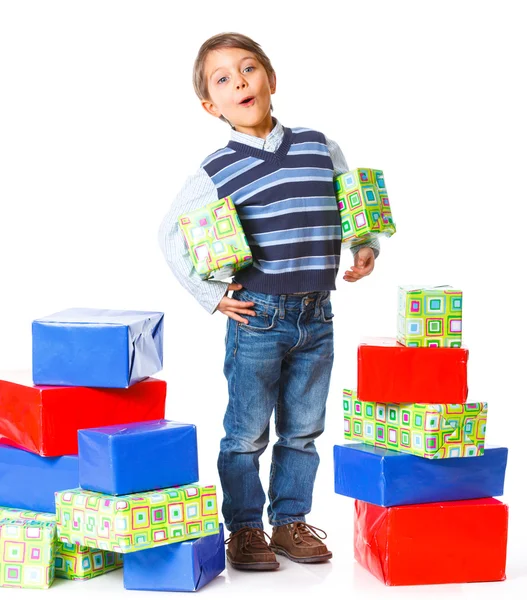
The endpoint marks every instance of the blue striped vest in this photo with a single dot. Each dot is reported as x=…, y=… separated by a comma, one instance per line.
x=287, y=207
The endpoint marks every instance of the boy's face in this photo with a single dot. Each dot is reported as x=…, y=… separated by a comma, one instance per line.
x=232, y=75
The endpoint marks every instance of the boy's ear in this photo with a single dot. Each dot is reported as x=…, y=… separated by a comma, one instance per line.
x=211, y=108
x=272, y=83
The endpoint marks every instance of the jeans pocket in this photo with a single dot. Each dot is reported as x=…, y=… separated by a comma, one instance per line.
x=264, y=320
x=326, y=312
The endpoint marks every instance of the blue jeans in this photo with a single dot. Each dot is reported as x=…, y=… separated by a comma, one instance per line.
x=280, y=361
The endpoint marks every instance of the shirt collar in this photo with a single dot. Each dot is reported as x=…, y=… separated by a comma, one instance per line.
x=270, y=143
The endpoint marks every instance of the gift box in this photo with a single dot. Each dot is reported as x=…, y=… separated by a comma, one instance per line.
x=183, y=567
x=427, y=430
x=29, y=481
x=137, y=457
x=215, y=239
x=443, y=542
x=45, y=420
x=71, y=561
x=27, y=553
x=391, y=372
x=80, y=562
x=390, y=478
x=136, y=522
x=364, y=207
x=97, y=348
x=429, y=316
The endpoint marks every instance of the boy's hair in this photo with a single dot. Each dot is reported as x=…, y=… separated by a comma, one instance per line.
x=225, y=40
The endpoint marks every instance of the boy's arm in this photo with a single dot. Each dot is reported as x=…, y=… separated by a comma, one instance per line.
x=341, y=166
x=198, y=190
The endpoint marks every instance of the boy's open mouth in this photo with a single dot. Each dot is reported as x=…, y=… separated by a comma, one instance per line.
x=247, y=100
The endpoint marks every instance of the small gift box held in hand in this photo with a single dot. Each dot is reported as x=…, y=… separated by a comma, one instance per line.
x=215, y=239
x=364, y=207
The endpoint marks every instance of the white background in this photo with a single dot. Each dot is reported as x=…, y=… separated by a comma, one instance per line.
x=100, y=127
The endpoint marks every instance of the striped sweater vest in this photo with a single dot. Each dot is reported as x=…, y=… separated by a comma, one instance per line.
x=287, y=207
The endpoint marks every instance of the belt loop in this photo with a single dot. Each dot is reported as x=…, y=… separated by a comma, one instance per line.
x=281, y=305
x=317, y=304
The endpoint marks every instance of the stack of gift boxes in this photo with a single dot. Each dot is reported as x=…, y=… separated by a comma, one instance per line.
x=91, y=474
x=422, y=478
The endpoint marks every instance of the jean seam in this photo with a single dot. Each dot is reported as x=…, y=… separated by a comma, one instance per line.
x=273, y=465
x=254, y=524
x=287, y=520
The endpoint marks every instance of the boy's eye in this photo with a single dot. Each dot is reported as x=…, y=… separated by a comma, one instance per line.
x=245, y=69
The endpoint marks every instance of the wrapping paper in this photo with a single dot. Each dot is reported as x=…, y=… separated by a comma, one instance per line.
x=81, y=563
x=137, y=457
x=389, y=478
x=183, y=567
x=27, y=553
x=29, y=481
x=391, y=372
x=215, y=239
x=71, y=561
x=444, y=542
x=427, y=430
x=364, y=207
x=136, y=522
x=97, y=348
x=430, y=316
x=45, y=420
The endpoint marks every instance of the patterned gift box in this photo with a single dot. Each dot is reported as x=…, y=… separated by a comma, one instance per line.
x=429, y=316
x=427, y=430
x=71, y=561
x=27, y=553
x=80, y=562
x=215, y=239
x=364, y=207
x=136, y=521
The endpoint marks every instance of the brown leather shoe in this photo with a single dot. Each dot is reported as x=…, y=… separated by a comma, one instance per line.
x=248, y=550
x=300, y=543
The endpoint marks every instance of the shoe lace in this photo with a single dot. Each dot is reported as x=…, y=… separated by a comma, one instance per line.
x=252, y=537
x=304, y=533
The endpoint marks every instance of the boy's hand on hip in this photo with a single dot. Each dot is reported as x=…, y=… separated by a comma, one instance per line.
x=234, y=308
x=364, y=263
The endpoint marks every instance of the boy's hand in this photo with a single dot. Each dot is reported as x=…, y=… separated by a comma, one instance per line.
x=364, y=263
x=234, y=308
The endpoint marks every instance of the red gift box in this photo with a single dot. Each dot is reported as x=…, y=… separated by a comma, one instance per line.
x=441, y=542
x=392, y=373
x=45, y=419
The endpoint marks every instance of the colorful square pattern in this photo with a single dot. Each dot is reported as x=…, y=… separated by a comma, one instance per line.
x=427, y=430
x=136, y=521
x=429, y=316
x=215, y=239
x=80, y=562
x=71, y=561
x=27, y=553
x=364, y=207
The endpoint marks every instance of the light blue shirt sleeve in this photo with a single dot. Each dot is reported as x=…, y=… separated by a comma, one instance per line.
x=197, y=191
x=341, y=166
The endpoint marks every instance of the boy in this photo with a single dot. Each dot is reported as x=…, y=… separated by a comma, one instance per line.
x=279, y=342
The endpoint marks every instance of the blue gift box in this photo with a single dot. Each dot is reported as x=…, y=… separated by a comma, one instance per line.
x=389, y=478
x=137, y=457
x=29, y=481
x=97, y=348
x=180, y=567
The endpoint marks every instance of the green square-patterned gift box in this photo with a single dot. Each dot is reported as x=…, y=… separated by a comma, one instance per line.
x=429, y=316
x=215, y=239
x=136, y=521
x=364, y=207
x=27, y=553
x=427, y=430
x=71, y=561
